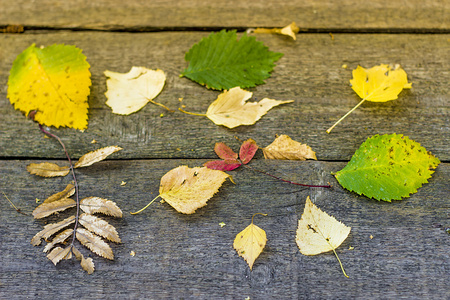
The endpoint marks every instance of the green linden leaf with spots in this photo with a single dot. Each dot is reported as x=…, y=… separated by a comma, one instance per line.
x=220, y=61
x=388, y=167
x=54, y=82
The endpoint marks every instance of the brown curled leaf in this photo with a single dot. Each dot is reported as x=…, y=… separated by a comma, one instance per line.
x=47, y=169
x=92, y=205
x=46, y=209
x=68, y=192
x=51, y=229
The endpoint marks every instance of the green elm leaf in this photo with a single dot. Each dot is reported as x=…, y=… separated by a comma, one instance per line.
x=388, y=167
x=220, y=61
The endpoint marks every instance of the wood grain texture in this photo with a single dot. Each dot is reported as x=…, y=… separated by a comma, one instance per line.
x=310, y=72
x=316, y=14
x=191, y=256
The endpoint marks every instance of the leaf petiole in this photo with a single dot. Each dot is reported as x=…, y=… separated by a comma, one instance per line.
x=191, y=113
x=135, y=213
x=339, y=121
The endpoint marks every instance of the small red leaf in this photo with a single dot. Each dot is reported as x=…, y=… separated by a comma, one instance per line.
x=222, y=165
x=247, y=151
x=225, y=152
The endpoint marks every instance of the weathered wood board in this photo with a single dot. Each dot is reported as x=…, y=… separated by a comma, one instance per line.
x=191, y=256
x=310, y=72
x=329, y=15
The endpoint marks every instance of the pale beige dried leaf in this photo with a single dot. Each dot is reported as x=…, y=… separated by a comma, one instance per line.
x=51, y=229
x=283, y=147
x=59, y=253
x=94, y=243
x=230, y=109
x=58, y=239
x=290, y=30
x=68, y=192
x=99, y=227
x=187, y=189
x=46, y=209
x=92, y=205
x=96, y=156
x=86, y=263
x=250, y=242
x=47, y=169
x=129, y=92
x=318, y=232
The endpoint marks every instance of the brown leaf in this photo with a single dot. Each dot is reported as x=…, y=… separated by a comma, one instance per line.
x=96, y=156
x=187, y=189
x=59, y=253
x=46, y=209
x=100, y=227
x=51, y=229
x=283, y=147
x=47, y=169
x=86, y=263
x=68, y=192
x=58, y=239
x=94, y=243
x=92, y=205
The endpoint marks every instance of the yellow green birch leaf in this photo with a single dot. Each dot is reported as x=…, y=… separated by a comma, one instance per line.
x=54, y=82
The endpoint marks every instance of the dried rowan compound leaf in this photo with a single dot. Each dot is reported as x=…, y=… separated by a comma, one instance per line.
x=220, y=61
x=92, y=205
x=99, y=227
x=377, y=84
x=129, y=92
x=289, y=30
x=250, y=242
x=68, y=192
x=58, y=239
x=59, y=253
x=247, y=151
x=96, y=156
x=94, y=243
x=318, y=232
x=223, y=165
x=230, y=109
x=53, y=81
x=283, y=147
x=388, y=167
x=47, y=169
x=86, y=263
x=225, y=152
x=187, y=189
x=51, y=229
x=46, y=209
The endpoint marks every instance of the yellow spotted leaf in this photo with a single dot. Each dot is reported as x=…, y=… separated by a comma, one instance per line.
x=129, y=92
x=319, y=232
x=377, y=84
x=250, y=242
x=231, y=108
x=283, y=147
x=54, y=82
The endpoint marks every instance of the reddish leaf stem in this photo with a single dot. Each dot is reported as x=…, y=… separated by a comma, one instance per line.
x=74, y=180
x=284, y=180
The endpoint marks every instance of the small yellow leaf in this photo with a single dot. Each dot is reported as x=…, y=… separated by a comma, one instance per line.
x=47, y=169
x=96, y=156
x=221, y=224
x=187, y=189
x=283, y=147
x=250, y=242
x=289, y=30
x=230, y=109
x=129, y=92
x=379, y=83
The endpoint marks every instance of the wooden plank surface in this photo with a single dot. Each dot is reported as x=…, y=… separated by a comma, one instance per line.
x=350, y=15
x=310, y=72
x=191, y=256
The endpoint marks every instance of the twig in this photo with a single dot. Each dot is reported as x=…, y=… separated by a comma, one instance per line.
x=17, y=209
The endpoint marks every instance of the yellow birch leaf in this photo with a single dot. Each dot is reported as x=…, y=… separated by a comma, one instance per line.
x=54, y=81
x=47, y=169
x=319, y=232
x=283, y=147
x=129, y=92
x=377, y=84
x=250, y=242
x=187, y=189
x=230, y=109
x=96, y=156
